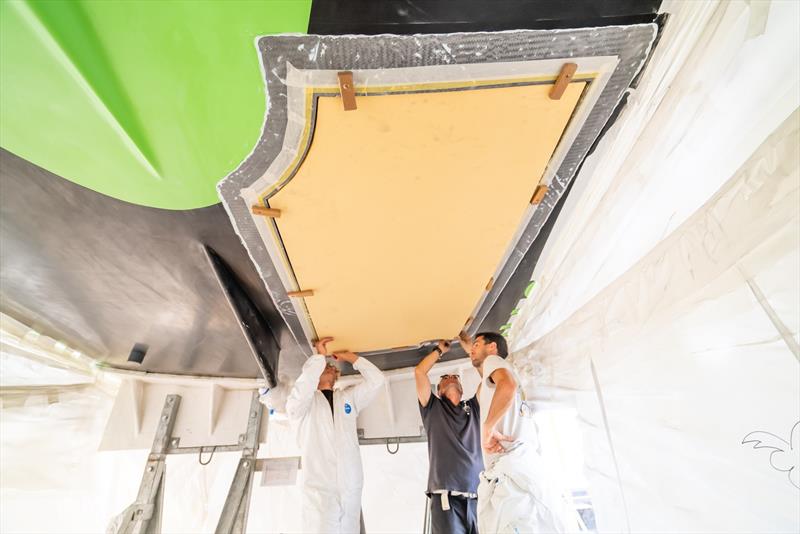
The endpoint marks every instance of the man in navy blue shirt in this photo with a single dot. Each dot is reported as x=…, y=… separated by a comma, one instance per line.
x=454, y=448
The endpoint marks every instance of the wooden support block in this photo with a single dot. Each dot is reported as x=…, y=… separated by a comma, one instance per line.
x=347, y=90
x=538, y=195
x=303, y=293
x=266, y=212
x=490, y=284
x=564, y=77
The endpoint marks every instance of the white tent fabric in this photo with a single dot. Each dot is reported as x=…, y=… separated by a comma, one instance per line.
x=669, y=294
x=667, y=306
x=54, y=479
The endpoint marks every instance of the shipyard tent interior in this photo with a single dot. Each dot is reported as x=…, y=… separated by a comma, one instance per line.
x=188, y=199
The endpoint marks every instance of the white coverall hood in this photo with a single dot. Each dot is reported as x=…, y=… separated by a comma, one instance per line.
x=332, y=472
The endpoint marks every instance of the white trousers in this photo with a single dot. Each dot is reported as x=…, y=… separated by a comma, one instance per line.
x=328, y=512
x=514, y=497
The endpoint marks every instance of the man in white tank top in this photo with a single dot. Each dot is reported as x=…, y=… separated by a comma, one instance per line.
x=513, y=493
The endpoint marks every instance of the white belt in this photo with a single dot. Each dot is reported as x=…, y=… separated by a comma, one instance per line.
x=446, y=496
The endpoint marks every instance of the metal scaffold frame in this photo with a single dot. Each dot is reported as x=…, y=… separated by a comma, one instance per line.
x=144, y=515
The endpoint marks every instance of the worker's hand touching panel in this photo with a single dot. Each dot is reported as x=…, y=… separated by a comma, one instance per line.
x=321, y=346
x=345, y=356
x=465, y=341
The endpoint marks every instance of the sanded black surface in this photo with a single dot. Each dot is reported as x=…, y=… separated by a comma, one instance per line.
x=405, y=17
x=102, y=274
x=254, y=327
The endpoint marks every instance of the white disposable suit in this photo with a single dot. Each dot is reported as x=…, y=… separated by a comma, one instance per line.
x=516, y=495
x=331, y=460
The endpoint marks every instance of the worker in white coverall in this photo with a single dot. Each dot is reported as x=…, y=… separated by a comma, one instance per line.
x=515, y=494
x=325, y=420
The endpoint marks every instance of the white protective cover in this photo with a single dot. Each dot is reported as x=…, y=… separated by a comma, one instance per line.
x=669, y=293
x=332, y=472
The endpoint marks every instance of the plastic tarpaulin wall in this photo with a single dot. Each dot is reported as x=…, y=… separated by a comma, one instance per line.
x=57, y=411
x=669, y=294
x=54, y=411
x=55, y=480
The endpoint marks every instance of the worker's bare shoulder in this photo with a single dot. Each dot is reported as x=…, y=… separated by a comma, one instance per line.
x=500, y=375
x=492, y=365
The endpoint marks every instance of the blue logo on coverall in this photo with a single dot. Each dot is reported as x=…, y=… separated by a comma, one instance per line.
x=347, y=407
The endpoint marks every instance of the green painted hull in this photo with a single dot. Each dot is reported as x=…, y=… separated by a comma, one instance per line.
x=147, y=102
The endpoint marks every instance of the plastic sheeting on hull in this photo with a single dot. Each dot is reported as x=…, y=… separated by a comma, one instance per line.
x=667, y=300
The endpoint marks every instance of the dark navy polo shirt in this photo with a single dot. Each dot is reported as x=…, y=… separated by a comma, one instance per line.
x=454, y=444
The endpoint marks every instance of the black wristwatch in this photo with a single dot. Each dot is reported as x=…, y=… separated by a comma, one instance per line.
x=437, y=349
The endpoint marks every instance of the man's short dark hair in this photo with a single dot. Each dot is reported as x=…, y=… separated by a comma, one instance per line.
x=498, y=339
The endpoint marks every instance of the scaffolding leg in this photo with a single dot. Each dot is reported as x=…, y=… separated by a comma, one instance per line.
x=144, y=515
x=233, y=519
x=426, y=522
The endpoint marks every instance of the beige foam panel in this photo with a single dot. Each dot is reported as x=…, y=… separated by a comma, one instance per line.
x=403, y=209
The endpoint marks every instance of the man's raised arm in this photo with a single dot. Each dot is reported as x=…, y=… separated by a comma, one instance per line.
x=424, y=367
x=366, y=391
x=465, y=341
x=299, y=400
